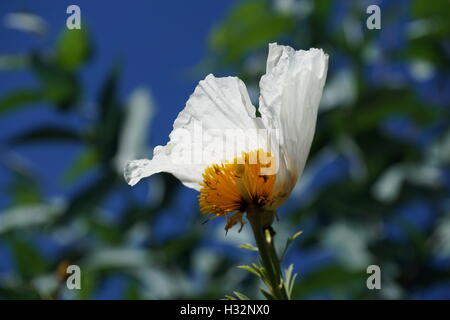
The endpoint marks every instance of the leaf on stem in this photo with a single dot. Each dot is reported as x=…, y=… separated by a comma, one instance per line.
x=289, y=280
x=252, y=270
x=266, y=294
x=241, y=296
x=296, y=235
x=19, y=98
x=288, y=243
x=248, y=246
x=46, y=133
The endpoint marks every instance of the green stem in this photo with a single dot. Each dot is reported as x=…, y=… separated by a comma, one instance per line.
x=259, y=223
x=274, y=256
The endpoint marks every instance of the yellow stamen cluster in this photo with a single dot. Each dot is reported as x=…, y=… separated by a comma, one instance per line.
x=234, y=186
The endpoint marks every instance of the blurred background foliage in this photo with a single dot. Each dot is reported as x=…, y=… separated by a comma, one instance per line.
x=375, y=190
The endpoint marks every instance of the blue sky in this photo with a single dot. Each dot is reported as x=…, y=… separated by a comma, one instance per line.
x=157, y=42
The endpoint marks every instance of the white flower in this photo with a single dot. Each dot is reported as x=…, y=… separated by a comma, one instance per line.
x=272, y=149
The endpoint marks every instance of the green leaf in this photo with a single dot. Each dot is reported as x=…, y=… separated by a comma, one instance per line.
x=248, y=246
x=73, y=48
x=107, y=139
x=241, y=296
x=59, y=86
x=288, y=274
x=289, y=280
x=89, y=282
x=296, y=235
x=25, y=188
x=108, y=93
x=84, y=162
x=291, y=287
x=266, y=294
x=111, y=118
x=252, y=270
x=19, y=98
x=250, y=25
x=46, y=133
x=28, y=260
x=263, y=273
x=132, y=292
x=288, y=243
x=87, y=199
x=335, y=278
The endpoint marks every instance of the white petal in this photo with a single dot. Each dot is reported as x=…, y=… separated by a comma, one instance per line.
x=290, y=94
x=137, y=169
x=217, y=104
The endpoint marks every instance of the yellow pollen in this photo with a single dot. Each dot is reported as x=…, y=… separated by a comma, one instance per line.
x=233, y=186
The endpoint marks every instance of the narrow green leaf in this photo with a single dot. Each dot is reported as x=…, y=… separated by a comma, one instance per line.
x=26, y=255
x=288, y=274
x=266, y=294
x=19, y=98
x=24, y=188
x=108, y=93
x=248, y=246
x=289, y=280
x=264, y=277
x=241, y=296
x=291, y=286
x=296, y=235
x=59, y=87
x=73, y=48
x=46, y=133
x=81, y=165
x=250, y=269
x=250, y=25
x=288, y=243
x=88, y=198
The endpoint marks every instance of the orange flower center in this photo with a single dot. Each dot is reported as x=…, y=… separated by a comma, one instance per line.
x=235, y=185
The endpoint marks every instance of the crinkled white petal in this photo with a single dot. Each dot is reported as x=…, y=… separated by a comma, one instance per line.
x=217, y=104
x=290, y=95
x=135, y=170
